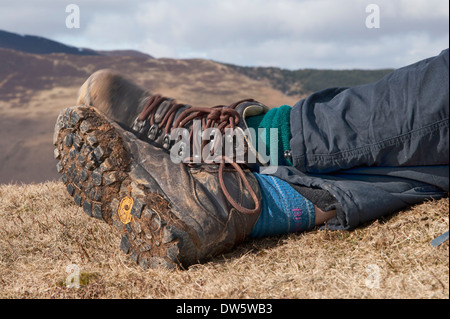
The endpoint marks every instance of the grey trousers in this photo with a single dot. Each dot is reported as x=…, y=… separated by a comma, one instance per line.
x=374, y=149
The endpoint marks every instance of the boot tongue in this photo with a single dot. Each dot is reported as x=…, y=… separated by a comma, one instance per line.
x=247, y=110
x=162, y=110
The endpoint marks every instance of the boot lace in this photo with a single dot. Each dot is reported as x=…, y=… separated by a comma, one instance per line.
x=219, y=118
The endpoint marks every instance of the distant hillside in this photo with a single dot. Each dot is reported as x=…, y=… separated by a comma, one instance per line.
x=35, y=87
x=291, y=83
x=130, y=53
x=305, y=81
x=38, y=45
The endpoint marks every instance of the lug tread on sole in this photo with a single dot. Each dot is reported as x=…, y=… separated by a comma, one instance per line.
x=94, y=166
x=150, y=238
x=81, y=164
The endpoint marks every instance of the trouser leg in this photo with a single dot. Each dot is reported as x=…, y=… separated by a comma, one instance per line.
x=401, y=120
x=377, y=147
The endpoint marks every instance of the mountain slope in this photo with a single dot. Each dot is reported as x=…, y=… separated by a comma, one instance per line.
x=305, y=81
x=39, y=45
x=35, y=87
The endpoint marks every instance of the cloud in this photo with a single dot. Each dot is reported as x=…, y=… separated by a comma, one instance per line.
x=285, y=33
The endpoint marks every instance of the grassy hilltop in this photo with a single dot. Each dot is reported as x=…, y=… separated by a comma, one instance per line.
x=43, y=232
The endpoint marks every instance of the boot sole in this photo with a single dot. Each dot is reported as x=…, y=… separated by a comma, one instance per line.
x=100, y=175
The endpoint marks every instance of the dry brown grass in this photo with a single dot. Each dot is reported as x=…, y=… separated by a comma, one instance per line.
x=42, y=232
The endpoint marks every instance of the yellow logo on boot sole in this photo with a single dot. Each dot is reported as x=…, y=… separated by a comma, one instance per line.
x=124, y=211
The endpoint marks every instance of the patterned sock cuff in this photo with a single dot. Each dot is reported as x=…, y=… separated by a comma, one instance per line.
x=284, y=210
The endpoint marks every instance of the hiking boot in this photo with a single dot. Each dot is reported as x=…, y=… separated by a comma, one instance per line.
x=152, y=117
x=169, y=214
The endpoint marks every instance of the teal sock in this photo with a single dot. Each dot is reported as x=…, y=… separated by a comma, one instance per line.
x=284, y=210
x=278, y=118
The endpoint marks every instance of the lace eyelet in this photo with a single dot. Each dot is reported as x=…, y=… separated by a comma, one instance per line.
x=181, y=150
x=153, y=132
x=138, y=125
x=167, y=141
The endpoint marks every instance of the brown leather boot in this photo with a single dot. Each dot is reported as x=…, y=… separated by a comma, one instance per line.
x=152, y=117
x=170, y=214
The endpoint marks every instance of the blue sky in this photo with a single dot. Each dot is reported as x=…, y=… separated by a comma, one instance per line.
x=290, y=34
